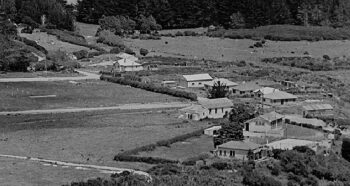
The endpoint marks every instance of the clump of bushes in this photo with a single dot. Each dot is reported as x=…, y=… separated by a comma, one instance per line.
x=81, y=54
x=241, y=63
x=44, y=65
x=143, y=52
x=129, y=51
x=189, y=33
x=150, y=160
x=178, y=33
x=149, y=37
x=109, y=38
x=301, y=62
x=16, y=60
x=115, y=50
x=32, y=44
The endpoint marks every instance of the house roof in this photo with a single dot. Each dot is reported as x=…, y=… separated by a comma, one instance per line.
x=221, y=80
x=215, y=103
x=266, y=90
x=272, y=116
x=193, y=109
x=247, y=87
x=218, y=127
x=263, y=82
x=300, y=119
x=241, y=145
x=128, y=62
x=280, y=95
x=288, y=144
x=318, y=107
x=127, y=56
x=197, y=77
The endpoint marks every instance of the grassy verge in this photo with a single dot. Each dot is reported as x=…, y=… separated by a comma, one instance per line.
x=284, y=33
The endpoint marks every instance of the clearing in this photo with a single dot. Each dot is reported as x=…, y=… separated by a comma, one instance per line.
x=89, y=93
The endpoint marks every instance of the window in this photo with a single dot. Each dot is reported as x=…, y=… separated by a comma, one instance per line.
x=199, y=83
x=222, y=110
x=220, y=152
x=216, y=111
x=192, y=83
x=232, y=153
x=224, y=152
x=209, y=111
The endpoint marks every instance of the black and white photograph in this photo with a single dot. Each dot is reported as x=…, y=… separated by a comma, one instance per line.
x=174, y=92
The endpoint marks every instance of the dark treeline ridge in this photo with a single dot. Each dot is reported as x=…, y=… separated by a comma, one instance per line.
x=226, y=13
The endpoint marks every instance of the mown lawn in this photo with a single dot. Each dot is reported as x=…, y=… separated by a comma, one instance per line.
x=91, y=93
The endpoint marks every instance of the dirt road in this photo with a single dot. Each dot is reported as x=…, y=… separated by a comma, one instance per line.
x=103, y=169
x=87, y=76
x=132, y=106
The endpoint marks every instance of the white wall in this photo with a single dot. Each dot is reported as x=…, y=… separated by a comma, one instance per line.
x=196, y=84
x=218, y=113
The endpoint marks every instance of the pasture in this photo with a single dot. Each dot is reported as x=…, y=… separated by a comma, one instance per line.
x=89, y=93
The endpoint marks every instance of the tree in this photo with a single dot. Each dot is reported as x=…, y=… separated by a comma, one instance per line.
x=219, y=90
x=229, y=132
x=237, y=20
x=143, y=52
x=241, y=113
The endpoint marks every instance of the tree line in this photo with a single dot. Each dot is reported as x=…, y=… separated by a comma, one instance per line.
x=226, y=13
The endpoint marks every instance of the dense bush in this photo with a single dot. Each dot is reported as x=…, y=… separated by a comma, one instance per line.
x=189, y=33
x=45, y=65
x=93, y=54
x=73, y=38
x=16, y=60
x=150, y=160
x=129, y=51
x=149, y=37
x=115, y=50
x=109, y=38
x=165, y=169
x=81, y=54
x=193, y=160
x=32, y=44
x=178, y=33
x=143, y=52
x=221, y=166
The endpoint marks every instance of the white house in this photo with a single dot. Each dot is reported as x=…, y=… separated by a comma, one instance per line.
x=127, y=65
x=208, y=108
x=270, y=124
x=279, y=98
x=212, y=131
x=196, y=80
x=239, y=150
x=226, y=82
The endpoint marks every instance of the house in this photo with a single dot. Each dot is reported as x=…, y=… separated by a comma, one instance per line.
x=245, y=89
x=169, y=84
x=264, y=91
x=269, y=124
x=289, y=84
x=279, y=98
x=208, y=108
x=196, y=80
x=228, y=83
x=299, y=120
x=212, y=131
x=318, y=110
x=239, y=150
x=127, y=56
x=127, y=65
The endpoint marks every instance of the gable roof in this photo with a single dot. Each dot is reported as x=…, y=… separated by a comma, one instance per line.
x=266, y=90
x=250, y=86
x=272, y=116
x=215, y=103
x=280, y=95
x=221, y=80
x=127, y=56
x=193, y=109
x=197, y=77
x=128, y=62
x=318, y=107
x=240, y=145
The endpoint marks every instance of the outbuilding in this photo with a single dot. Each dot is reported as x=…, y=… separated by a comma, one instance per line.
x=196, y=80
x=318, y=110
x=279, y=98
x=240, y=149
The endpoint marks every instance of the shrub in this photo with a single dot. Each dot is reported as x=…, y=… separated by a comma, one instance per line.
x=129, y=51
x=304, y=149
x=189, y=33
x=92, y=54
x=150, y=160
x=242, y=63
x=27, y=30
x=109, y=38
x=143, y=52
x=16, y=61
x=45, y=65
x=326, y=57
x=221, y=166
x=165, y=169
x=115, y=50
x=192, y=160
x=33, y=44
x=81, y=54
x=178, y=33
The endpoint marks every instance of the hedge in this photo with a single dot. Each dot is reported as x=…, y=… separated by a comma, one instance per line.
x=150, y=160
x=151, y=87
x=73, y=38
x=32, y=44
x=128, y=155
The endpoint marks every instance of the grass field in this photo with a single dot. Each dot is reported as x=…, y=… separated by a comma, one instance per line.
x=298, y=132
x=183, y=150
x=38, y=74
x=88, y=138
x=91, y=93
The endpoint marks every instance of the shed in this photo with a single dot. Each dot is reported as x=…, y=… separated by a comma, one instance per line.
x=196, y=80
x=212, y=131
